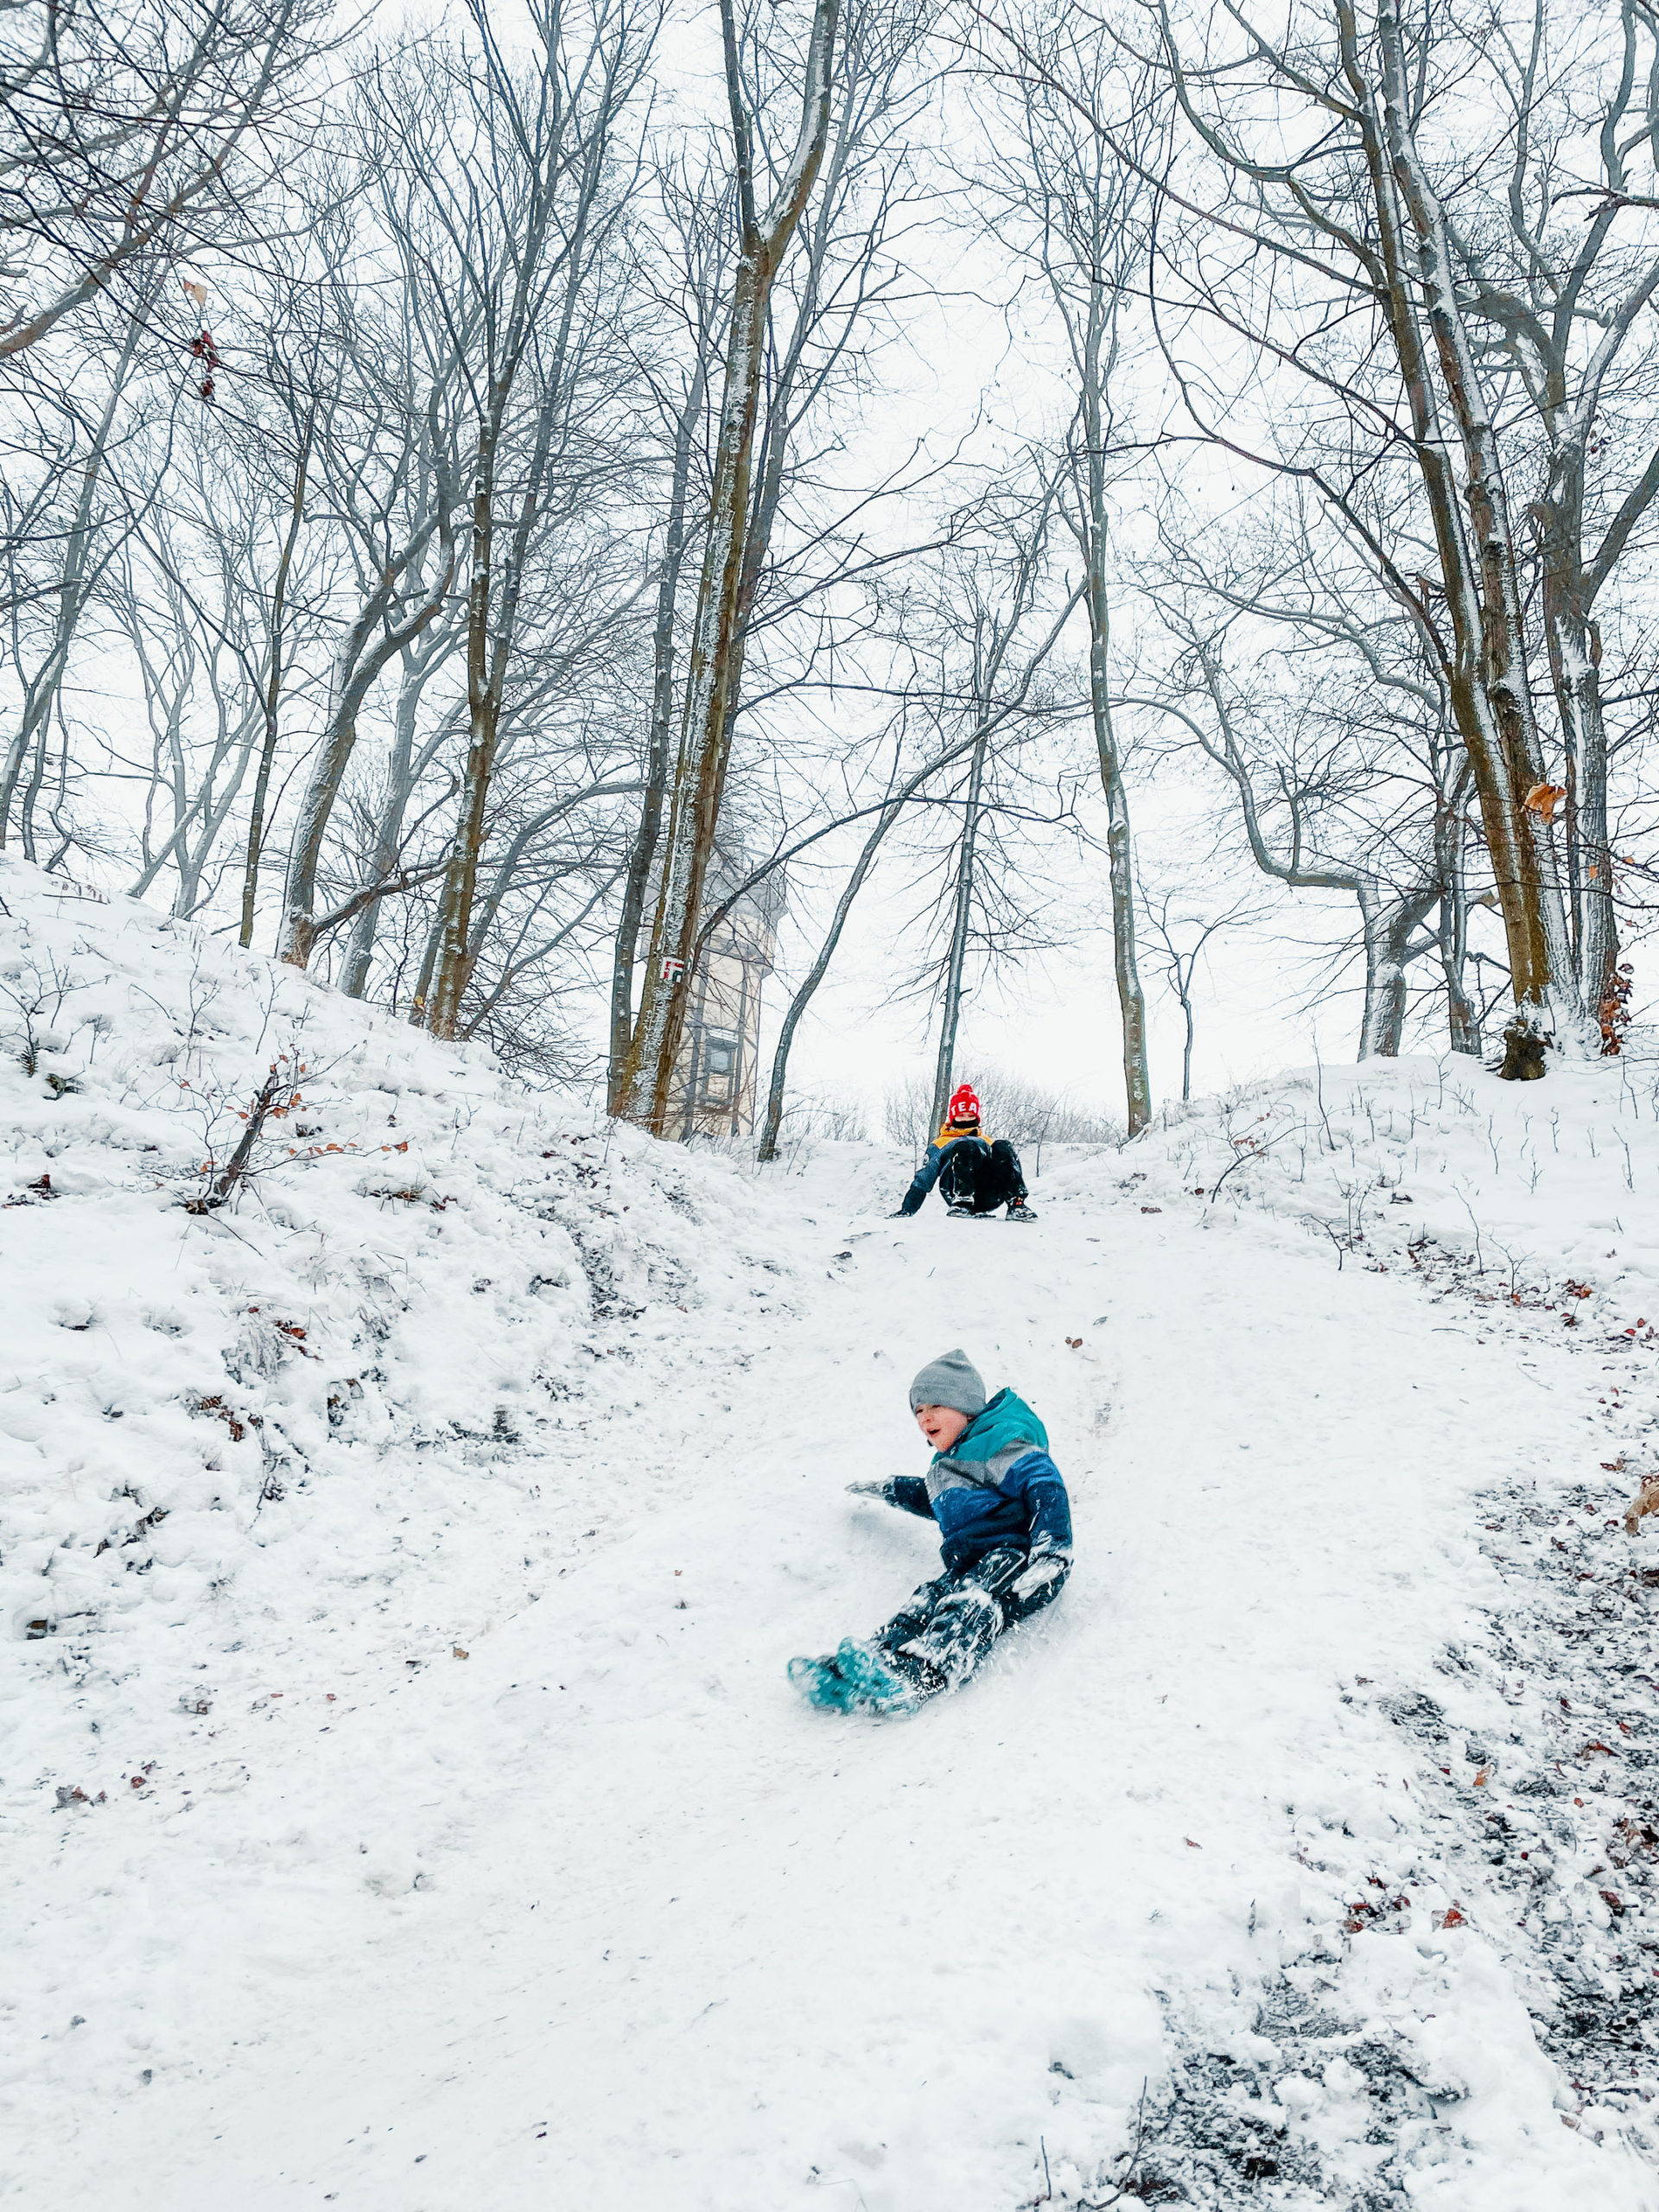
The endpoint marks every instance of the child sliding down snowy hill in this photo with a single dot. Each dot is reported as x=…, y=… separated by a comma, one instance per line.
x=974, y=1175
x=1007, y=1526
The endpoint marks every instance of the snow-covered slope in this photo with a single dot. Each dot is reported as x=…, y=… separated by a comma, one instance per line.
x=1511, y=1189
x=407, y=1808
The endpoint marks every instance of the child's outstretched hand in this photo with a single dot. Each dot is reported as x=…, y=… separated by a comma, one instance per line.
x=867, y=1489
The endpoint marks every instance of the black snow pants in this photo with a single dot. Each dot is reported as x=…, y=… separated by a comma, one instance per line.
x=969, y=1173
x=943, y=1632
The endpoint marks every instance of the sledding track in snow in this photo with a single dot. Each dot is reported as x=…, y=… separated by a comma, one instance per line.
x=635, y=1928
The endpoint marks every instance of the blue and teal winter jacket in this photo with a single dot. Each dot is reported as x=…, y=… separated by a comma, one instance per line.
x=996, y=1485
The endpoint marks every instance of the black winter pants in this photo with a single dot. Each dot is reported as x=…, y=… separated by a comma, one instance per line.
x=980, y=1175
x=942, y=1634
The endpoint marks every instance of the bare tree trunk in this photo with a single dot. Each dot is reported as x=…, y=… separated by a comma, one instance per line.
x=273, y=686
x=1476, y=353
x=1086, y=201
x=429, y=963
x=637, y=882
x=484, y=708
x=358, y=666
x=420, y=663
x=961, y=921
x=1574, y=643
x=1120, y=846
x=1488, y=678
x=493, y=602
x=1462, y=1017
x=705, y=730
x=1388, y=948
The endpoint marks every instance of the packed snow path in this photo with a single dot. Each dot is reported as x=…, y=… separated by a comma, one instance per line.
x=603, y=1916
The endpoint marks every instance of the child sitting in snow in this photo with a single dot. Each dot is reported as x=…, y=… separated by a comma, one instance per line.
x=1006, y=1521
x=974, y=1175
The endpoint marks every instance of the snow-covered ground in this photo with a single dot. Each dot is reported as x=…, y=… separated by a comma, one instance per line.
x=406, y=1807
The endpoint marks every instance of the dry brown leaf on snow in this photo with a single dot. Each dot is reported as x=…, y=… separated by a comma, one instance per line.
x=1646, y=1500
x=1543, y=799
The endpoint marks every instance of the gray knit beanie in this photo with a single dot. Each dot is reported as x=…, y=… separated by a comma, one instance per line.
x=951, y=1380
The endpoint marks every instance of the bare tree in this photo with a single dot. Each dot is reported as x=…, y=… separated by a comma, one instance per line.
x=695, y=220
x=378, y=426
x=1447, y=313
x=989, y=602
x=559, y=128
x=303, y=417
x=411, y=755
x=1063, y=201
x=129, y=135
x=705, y=727
x=104, y=511
x=1179, y=941
x=1302, y=791
x=886, y=814
x=809, y=580
x=195, y=651
x=1303, y=684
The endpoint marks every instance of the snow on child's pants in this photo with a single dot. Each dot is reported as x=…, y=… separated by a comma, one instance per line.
x=943, y=1632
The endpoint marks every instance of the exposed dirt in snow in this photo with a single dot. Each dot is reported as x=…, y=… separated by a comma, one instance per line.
x=407, y=1806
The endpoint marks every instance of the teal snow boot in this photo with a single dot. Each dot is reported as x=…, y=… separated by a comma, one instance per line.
x=854, y=1681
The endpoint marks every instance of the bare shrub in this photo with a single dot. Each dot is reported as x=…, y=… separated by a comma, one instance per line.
x=823, y=1117
x=1027, y=1113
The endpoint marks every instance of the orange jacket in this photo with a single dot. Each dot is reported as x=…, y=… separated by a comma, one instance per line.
x=949, y=1131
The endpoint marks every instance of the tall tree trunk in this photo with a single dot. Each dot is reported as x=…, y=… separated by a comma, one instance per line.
x=1574, y=644
x=273, y=688
x=273, y=685
x=483, y=709
x=358, y=666
x=705, y=729
x=493, y=602
x=961, y=921
x=429, y=963
x=1388, y=946
x=403, y=773
x=1488, y=675
x=643, y=853
x=1462, y=1019
x=1119, y=844
x=1096, y=356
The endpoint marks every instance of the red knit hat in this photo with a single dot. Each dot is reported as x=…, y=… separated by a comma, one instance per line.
x=964, y=1104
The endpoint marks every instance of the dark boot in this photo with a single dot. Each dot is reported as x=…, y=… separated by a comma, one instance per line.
x=1005, y=1182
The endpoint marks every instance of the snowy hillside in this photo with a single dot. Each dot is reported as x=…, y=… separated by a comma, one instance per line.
x=406, y=1807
